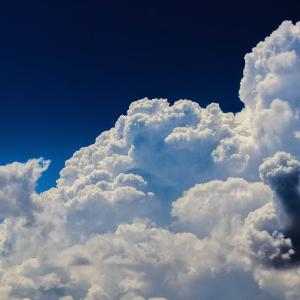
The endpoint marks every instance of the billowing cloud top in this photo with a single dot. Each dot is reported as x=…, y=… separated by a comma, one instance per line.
x=175, y=202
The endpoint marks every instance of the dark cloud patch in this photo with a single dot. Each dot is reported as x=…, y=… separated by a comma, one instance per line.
x=282, y=173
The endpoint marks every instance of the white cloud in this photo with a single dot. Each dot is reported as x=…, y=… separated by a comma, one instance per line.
x=174, y=202
x=17, y=187
x=219, y=206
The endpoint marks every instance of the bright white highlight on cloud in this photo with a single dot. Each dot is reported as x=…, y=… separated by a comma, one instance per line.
x=175, y=202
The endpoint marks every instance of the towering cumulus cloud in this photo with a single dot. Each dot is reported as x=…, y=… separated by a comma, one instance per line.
x=175, y=202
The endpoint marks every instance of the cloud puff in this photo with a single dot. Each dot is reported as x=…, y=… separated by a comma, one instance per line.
x=174, y=202
x=219, y=205
x=17, y=187
x=270, y=90
x=282, y=173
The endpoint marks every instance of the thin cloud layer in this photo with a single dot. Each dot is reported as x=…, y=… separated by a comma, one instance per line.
x=174, y=202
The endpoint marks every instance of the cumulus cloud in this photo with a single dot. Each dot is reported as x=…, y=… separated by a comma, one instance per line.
x=174, y=202
x=282, y=172
x=17, y=187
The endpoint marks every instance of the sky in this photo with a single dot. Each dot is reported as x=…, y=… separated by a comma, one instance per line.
x=196, y=196
x=69, y=69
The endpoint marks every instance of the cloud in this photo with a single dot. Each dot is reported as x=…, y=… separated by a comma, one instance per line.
x=219, y=205
x=282, y=172
x=17, y=187
x=174, y=202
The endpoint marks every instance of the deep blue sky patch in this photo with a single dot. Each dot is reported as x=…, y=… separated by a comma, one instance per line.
x=68, y=69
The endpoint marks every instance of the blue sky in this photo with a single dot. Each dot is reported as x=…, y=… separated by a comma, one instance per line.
x=70, y=68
